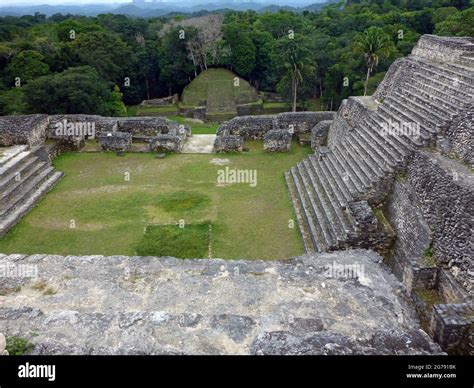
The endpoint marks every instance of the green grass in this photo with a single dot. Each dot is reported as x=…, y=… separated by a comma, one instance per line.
x=157, y=110
x=186, y=242
x=17, y=346
x=110, y=214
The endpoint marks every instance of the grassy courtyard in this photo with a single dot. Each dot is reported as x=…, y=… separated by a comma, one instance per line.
x=138, y=204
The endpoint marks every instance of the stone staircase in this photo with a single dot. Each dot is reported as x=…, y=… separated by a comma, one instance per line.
x=24, y=180
x=150, y=305
x=373, y=146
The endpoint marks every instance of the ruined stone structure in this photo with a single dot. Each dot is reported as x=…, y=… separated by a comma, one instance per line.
x=403, y=153
x=26, y=173
x=391, y=176
x=256, y=127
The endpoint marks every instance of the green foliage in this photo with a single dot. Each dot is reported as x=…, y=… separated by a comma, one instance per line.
x=373, y=44
x=17, y=346
x=12, y=102
x=457, y=24
x=27, y=65
x=158, y=61
x=76, y=90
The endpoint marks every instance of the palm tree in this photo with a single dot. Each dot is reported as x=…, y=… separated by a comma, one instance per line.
x=297, y=63
x=294, y=70
x=374, y=43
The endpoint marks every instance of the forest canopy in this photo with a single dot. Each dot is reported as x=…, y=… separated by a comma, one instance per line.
x=76, y=64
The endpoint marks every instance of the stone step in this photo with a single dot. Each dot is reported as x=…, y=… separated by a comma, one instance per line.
x=403, y=143
x=402, y=113
x=468, y=62
x=7, y=153
x=329, y=238
x=311, y=224
x=330, y=171
x=385, y=144
x=13, y=163
x=428, y=102
x=431, y=94
x=6, y=222
x=352, y=183
x=352, y=166
x=15, y=173
x=300, y=218
x=394, y=117
x=15, y=187
x=338, y=173
x=386, y=158
x=444, y=74
x=31, y=186
x=447, y=91
x=329, y=204
x=467, y=71
x=440, y=113
x=368, y=160
x=337, y=185
x=330, y=195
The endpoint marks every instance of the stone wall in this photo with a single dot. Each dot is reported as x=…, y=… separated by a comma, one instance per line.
x=228, y=143
x=277, y=141
x=457, y=139
x=301, y=122
x=248, y=127
x=255, y=127
x=444, y=189
x=27, y=129
x=414, y=236
x=116, y=141
x=171, y=100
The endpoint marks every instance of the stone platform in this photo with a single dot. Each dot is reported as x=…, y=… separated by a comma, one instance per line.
x=199, y=144
x=339, y=303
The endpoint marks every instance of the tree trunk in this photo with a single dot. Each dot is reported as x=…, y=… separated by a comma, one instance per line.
x=295, y=90
x=147, y=89
x=367, y=80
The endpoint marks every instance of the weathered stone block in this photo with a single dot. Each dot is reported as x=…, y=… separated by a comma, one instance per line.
x=277, y=141
x=451, y=325
x=27, y=129
x=229, y=143
x=319, y=134
x=116, y=141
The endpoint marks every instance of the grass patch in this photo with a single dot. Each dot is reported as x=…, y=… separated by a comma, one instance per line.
x=17, y=346
x=183, y=201
x=428, y=257
x=191, y=241
x=431, y=297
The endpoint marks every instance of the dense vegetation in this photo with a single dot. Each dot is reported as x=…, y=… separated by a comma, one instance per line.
x=71, y=64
